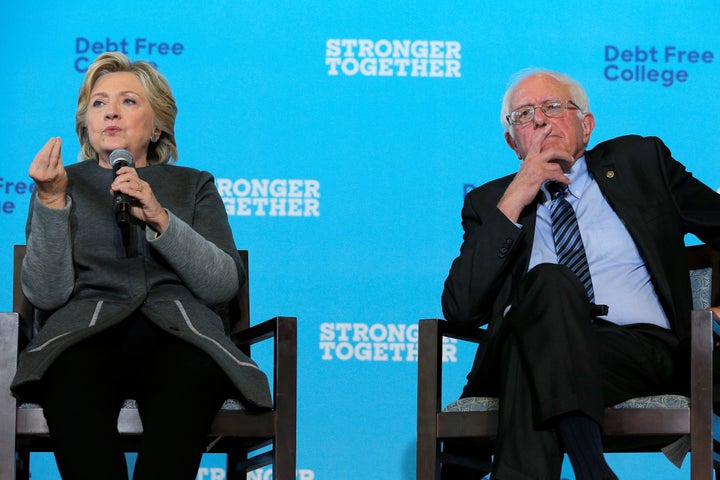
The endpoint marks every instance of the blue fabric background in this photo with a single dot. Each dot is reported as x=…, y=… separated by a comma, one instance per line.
x=390, y=158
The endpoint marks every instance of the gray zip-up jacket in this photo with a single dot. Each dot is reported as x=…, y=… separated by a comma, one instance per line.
x=79, y=267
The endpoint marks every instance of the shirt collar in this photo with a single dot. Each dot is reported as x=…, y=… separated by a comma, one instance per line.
x=579, y=177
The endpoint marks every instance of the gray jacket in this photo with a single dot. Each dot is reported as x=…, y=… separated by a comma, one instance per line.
x=77, y=265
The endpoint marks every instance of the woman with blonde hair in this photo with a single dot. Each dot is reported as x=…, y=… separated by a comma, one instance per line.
x=130, y=298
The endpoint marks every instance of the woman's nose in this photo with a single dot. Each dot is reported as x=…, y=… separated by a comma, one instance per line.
x=111, y=111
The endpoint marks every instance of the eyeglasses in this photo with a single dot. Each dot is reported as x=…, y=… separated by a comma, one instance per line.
x=550, y=108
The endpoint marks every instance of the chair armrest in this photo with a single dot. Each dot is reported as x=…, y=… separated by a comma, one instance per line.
x=429, y=382
x=283, y=330
x=430, y=344
x=430, y=340
x=431, y=332
x=458, y=331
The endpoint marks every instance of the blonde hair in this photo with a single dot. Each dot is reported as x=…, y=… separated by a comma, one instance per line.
x=157, y=88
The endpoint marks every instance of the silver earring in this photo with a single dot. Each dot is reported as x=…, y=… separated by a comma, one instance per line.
x=153, y=138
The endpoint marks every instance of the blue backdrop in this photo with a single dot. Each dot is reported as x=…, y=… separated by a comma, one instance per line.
x=343, y=135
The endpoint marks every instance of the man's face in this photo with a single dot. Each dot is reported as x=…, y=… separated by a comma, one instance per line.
x=569, y=133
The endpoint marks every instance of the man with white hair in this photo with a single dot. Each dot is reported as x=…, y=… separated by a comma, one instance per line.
x=576, y=265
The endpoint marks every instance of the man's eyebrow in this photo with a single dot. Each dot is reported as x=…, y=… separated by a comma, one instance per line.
x=551, y=99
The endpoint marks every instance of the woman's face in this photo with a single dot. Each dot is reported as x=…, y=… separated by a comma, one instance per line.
x=119, y=115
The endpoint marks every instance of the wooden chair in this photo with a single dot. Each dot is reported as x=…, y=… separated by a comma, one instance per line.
x=645, y=425
x=250, y=439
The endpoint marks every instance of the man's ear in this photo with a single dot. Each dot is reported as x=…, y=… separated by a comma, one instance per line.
x=588, y=123
x=512, y=144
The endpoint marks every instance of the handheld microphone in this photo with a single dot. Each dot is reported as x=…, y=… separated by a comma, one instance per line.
x=121, y=158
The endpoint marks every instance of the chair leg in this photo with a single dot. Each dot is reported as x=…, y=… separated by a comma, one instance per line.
x=284, y=461
x=233, y=460
x=22, y=465
x=427, y=465
x=429, y=372
x=285, y=441
x=8, y=458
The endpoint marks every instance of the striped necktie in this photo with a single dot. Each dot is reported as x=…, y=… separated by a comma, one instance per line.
x=568, y=242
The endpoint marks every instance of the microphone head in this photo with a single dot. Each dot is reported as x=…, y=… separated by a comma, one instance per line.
x=120, y=158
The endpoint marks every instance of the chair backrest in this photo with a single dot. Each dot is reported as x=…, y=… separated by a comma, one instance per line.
x=704, y=266
x=235, y=314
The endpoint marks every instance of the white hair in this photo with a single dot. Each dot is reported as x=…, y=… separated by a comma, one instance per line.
x=577, y=92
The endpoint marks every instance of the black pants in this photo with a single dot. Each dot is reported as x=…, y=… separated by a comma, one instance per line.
x=85, y=387
x=549, y=358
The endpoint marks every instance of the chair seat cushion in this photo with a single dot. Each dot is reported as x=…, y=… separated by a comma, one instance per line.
x=656, y=401
x=485, y=404
x=473, y=404
x=229, y=404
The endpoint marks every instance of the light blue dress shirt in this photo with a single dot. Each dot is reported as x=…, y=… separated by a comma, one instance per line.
x=620, y=278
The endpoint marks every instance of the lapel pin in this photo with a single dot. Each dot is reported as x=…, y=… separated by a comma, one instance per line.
x=610, y=173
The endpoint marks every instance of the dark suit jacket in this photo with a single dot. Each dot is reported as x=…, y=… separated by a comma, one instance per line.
x=656, y=198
